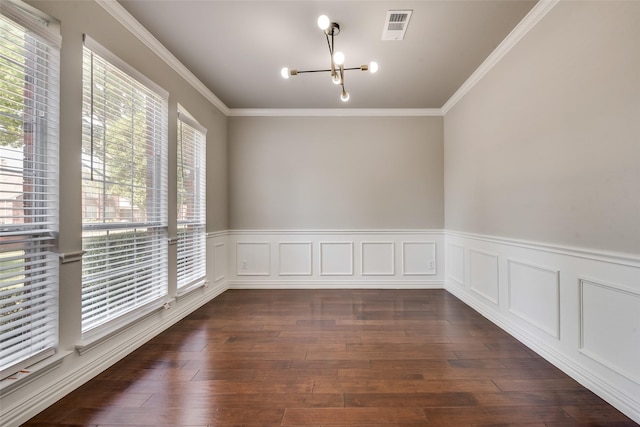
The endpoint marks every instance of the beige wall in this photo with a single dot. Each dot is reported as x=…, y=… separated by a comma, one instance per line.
x=546, y=147
x=336, y=173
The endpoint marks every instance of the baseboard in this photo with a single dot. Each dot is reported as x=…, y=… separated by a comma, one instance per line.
x=348, y=284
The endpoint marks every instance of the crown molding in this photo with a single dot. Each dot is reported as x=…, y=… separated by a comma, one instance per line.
x=137, y=29
x=528, y=22
x=335, y=112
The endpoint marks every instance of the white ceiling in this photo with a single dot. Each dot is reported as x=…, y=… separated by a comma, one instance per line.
x=237, y=48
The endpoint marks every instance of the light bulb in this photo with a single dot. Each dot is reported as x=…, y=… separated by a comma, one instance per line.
x=323, y=22
x=338, y=58
x=344, y=96
x=336, y=79
x=284, y=73
x=373, y=66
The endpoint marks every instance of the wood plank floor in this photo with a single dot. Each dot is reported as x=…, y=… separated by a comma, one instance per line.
x=332, y=358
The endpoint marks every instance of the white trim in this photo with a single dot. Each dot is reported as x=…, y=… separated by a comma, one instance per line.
x=185, y=117
x=336, y=112
x=33, y=20
x=393, y=258
x=215, y=234
x=185, y=291
x=522, y=29
x=32, y=373
x=459, y=280
x=115, y=60
x=240, y=271
x=333, y=232
x=137, y=29
x=295, y=273
x=555, y=332
x=584, y=350
x=335, y=284
x=429, y=271
x=103, y=333
x=618, y=258
x=221, y=276
x=351, y=253
x=479, y=292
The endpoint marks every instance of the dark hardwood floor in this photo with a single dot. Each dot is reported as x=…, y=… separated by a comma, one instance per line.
x=332, y=358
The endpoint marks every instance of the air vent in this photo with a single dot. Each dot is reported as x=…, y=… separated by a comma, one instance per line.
x=395, y=26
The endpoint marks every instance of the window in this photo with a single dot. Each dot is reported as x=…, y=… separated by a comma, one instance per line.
x=29, y=87
x=191, y=202
x=124, y=189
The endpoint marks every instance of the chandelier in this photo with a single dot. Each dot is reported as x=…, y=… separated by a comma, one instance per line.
x=337, y=68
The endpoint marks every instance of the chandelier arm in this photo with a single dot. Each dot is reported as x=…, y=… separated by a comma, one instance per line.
x=326, y=71
x=313, y=71
x=330, y=46
x=329, y=43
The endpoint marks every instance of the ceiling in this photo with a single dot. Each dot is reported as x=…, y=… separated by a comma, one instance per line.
x=237, y=48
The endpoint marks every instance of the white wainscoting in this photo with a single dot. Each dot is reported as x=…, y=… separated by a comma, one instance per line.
x=419, y=258
x=336, y=258
x=296, y=258
x=378, y=258
x=219, y=262
x=610, y=326
x=253, y=259
x=483, y=275
x=579, y=309
x=534, y=295
x=332, y=259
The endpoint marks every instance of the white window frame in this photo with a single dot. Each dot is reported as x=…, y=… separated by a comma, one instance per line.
x=191, y=202
x=121, y=287
x=28, y=258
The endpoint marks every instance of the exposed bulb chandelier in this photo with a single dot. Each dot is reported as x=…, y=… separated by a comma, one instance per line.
x=332, y=29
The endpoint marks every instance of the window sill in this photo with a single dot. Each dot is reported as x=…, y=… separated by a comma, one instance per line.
x=96, y=338
x=188, y=290
x=35, y=371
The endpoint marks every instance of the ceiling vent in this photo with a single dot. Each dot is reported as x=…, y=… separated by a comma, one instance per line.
x=395, y=26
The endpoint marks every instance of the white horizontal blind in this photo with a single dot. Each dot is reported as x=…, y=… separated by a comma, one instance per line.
x=124, y=189
x=29, y=102
x=191, y=202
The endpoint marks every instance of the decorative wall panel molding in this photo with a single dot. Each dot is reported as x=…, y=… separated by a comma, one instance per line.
x=378, y=259
x=483, y=275
x=336, y=258
x=534, y=295
x=374, y=259
x=419, y=258
x=253, y=258
x=295, y=258
x=610, y=327
x=219, y=261
x=455, y=263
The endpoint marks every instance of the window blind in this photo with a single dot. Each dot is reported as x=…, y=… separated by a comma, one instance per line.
x=124, y=189
x=29, y=102
x=191, y=194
